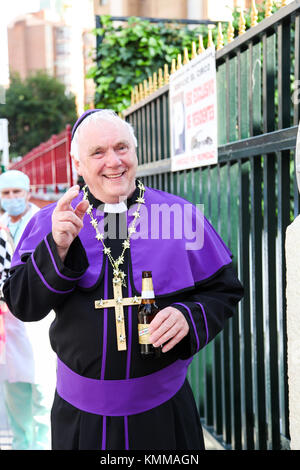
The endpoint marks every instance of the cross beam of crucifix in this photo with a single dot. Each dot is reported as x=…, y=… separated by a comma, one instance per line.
x=118, y=302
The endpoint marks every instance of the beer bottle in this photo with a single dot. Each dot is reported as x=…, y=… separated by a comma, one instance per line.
x=146, y=312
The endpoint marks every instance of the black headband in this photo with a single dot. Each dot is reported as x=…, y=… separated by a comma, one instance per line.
x=82, y=118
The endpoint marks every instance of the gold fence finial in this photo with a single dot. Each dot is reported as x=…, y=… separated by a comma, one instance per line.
x=137, y=95
x=230, y=32
x=154, y=81
x=220, y=39
x=201, y=46
x=210, y=42
x=269, y=4
x=254, y=14
x=283, y=3
x=166, y=74
x=186, y=58
x=160, y=78
x=242, y=23
x=150, y=85
x=179, y=62
x=173, y=66
x=194, y=50
x=141, y=91
x=132, y=96
x=146, y=90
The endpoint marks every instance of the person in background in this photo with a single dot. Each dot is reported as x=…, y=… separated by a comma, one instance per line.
x=26, y=400
x=108, y=397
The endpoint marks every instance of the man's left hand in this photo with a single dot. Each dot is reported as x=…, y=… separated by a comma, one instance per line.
x=168, y=327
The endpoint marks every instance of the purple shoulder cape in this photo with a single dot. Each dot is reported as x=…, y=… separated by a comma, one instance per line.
x=173, y=239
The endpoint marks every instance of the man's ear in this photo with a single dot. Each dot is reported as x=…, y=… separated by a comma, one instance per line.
x=76, y=164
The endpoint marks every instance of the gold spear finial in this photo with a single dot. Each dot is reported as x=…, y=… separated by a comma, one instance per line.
x=179, y=62
x=269, y=4
x=242, y=23
x=254, y=14
x=186, y=58
x=166, y=74
x=173, y=66
x=210, y=42
x=230, y=32
x=146, y=90
x=220, y=39
x=283, y=3
x=194, y=50
x=201, y=46
x=154, y=81
x=160, y=78
x=150, y=85
x=132, y=96
x=137, y=95
x=141, y=91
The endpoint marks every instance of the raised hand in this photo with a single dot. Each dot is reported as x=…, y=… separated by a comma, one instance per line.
x=66, y=221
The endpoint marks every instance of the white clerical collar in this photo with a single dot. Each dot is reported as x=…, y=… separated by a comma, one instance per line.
x=115, y=208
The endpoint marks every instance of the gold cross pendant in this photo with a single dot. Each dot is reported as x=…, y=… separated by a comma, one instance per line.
x=118, y=302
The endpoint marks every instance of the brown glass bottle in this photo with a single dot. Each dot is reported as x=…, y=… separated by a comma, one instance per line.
x=147, y=311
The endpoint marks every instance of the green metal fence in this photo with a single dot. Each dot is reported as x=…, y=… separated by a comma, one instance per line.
x=240, y=379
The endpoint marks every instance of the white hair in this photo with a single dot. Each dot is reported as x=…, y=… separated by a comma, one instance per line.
x=101, y=115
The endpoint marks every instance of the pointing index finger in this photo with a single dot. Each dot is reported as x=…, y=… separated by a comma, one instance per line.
x=65, y=201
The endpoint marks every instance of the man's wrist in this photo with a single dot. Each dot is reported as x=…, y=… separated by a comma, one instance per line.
x=62, y=252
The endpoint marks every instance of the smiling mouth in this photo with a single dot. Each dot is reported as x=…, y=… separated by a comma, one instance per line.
x=116, y=176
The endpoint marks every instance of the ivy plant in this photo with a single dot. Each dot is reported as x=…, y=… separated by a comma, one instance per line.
x=132, y=51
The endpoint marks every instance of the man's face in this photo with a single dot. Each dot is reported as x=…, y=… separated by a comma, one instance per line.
x=10, y=193
x=108, y=160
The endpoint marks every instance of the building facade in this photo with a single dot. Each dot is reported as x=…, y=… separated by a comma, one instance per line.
x=37, y=41
x=218, y=10
x=59, y=41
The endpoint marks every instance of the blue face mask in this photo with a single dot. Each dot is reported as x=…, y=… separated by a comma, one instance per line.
x=14, y=206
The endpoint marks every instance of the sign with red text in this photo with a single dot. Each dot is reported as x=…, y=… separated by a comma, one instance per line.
x=193, y=113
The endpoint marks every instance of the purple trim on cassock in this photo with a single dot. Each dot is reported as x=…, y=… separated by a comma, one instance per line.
x=103, y=445
x=44, y=280
x=181, y=266
x=128, y=358
x=120, y=397
x=205, y=321
x=105, y=310
x=193, y=323
x=66, y=278
x=126, y=433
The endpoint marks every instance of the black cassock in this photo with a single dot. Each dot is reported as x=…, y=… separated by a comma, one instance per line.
x=84, y=339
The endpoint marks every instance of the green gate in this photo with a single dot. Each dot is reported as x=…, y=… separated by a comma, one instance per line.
x=240, y=379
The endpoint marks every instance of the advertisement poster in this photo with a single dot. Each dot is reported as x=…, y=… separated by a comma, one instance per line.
x=193, y=113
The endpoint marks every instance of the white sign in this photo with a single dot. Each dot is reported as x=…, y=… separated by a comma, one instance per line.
x=4, y=144
x=193, y=113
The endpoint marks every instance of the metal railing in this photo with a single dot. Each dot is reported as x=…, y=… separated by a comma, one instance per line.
x=240, y=379
x=49, y=165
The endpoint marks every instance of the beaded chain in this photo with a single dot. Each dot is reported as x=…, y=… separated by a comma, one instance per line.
x=119, y=276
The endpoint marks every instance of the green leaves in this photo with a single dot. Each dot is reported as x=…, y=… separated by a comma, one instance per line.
x=128, y=54
x=36, y=108
x=132, y=52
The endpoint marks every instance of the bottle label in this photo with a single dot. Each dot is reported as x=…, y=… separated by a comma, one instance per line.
x=147, y=288
x=147, y=294
x=143, y=330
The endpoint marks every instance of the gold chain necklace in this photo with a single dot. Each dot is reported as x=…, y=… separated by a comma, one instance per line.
x=119, y=276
